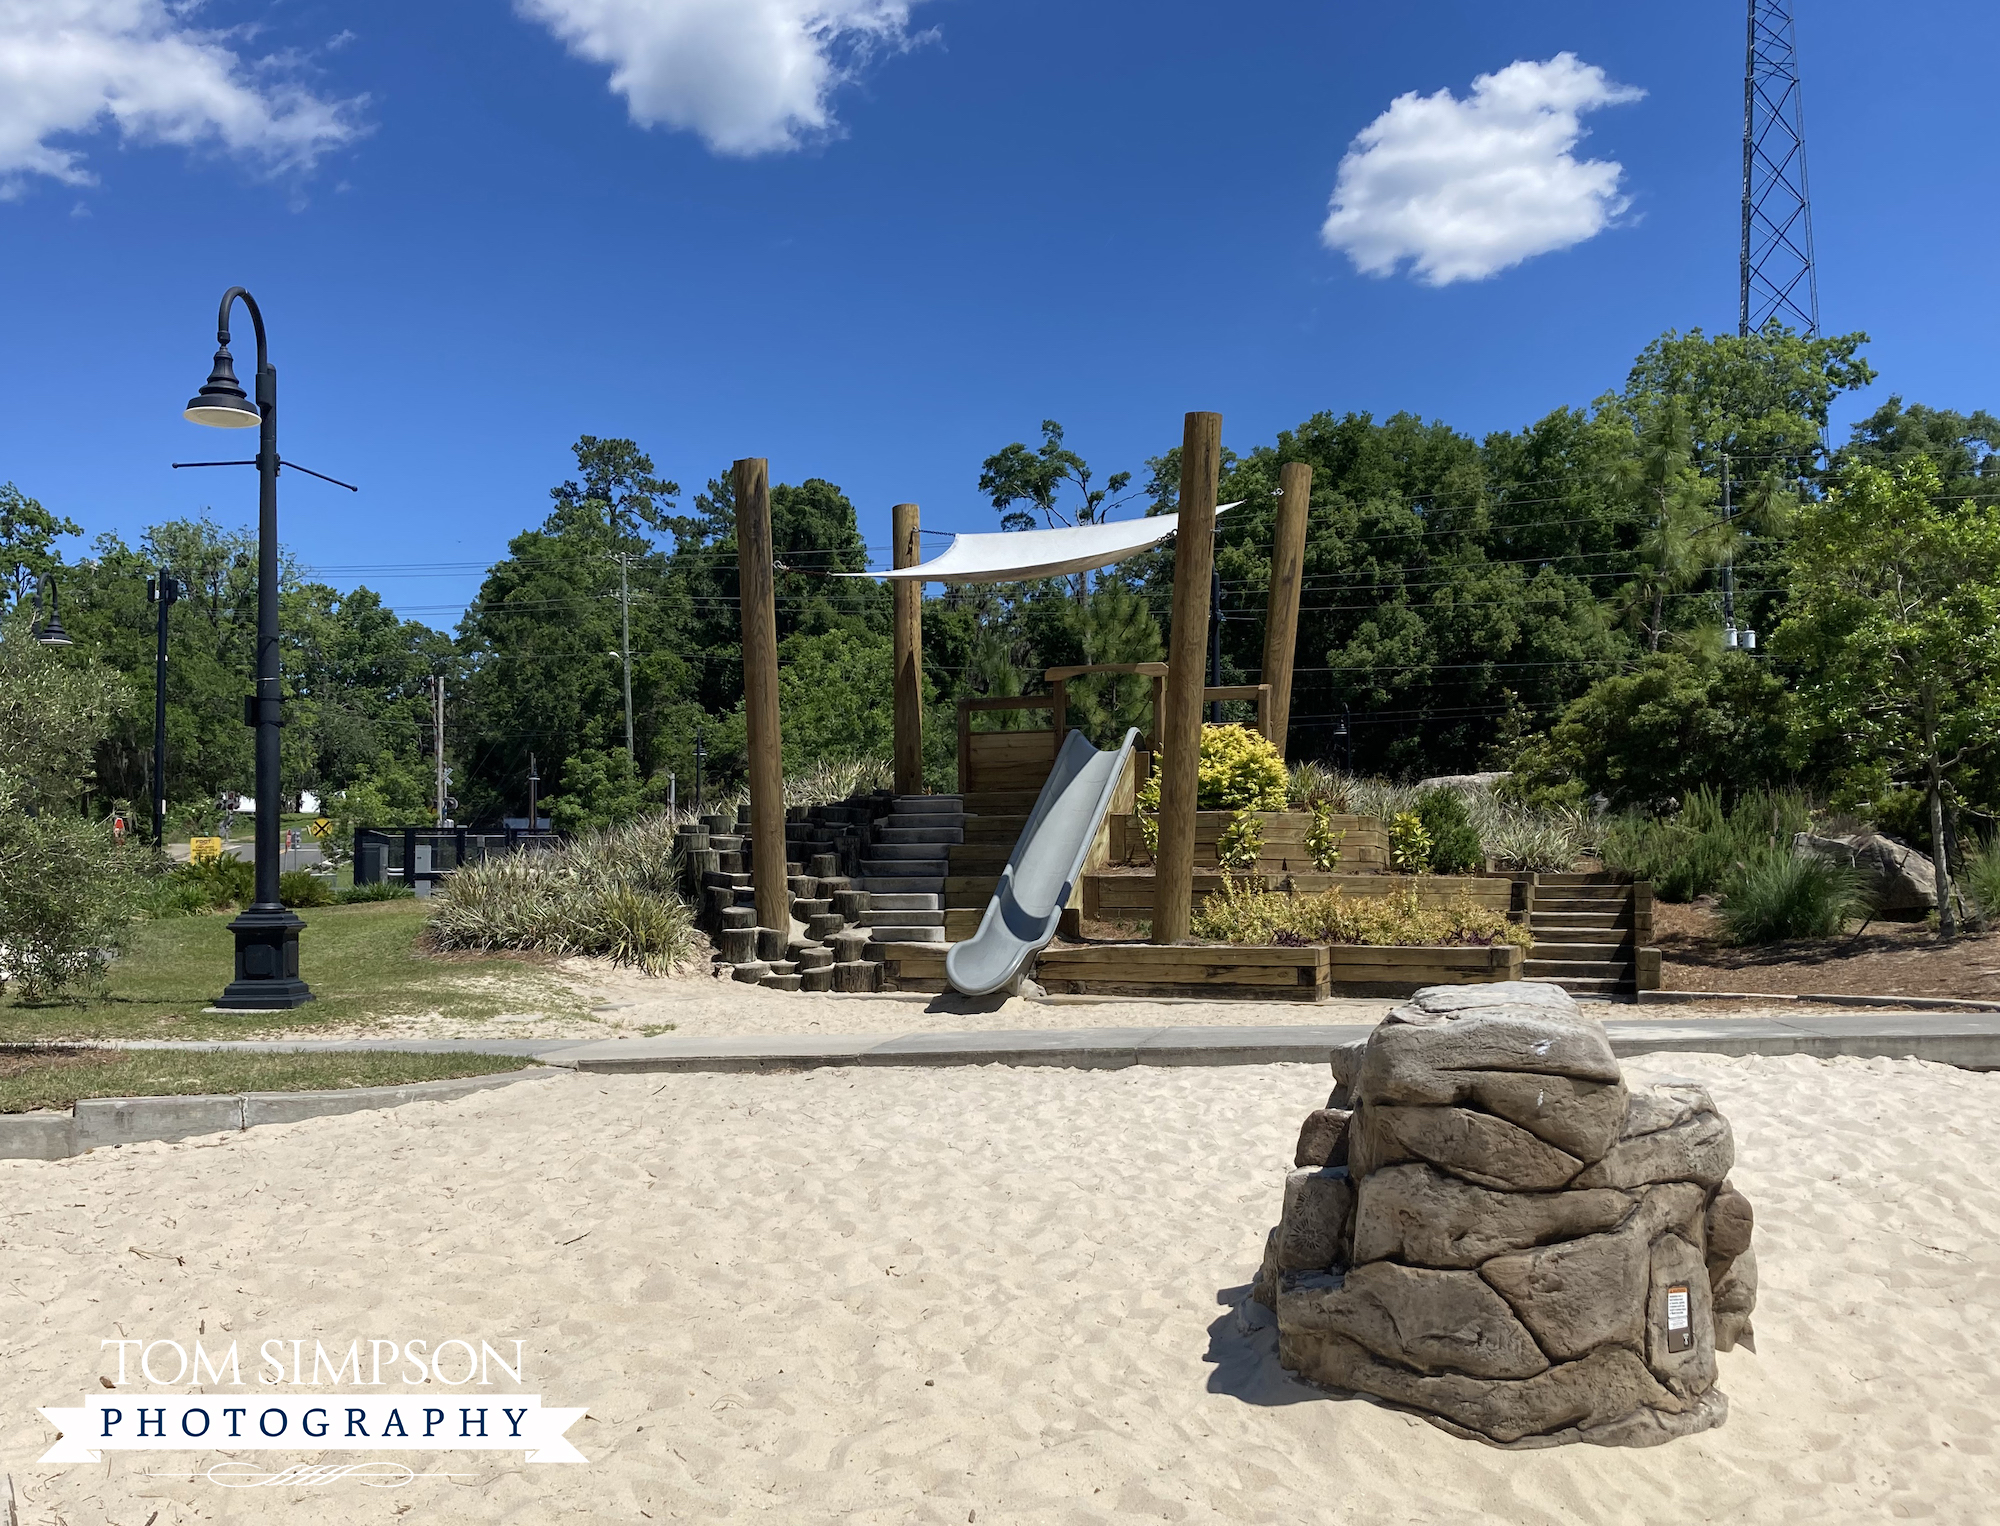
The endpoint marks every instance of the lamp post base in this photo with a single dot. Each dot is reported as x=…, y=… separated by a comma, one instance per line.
x=267, y=963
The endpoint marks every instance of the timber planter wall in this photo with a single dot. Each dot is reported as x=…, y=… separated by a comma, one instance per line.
x=1364, y=846
x=1127, y=896
x=1224, y=971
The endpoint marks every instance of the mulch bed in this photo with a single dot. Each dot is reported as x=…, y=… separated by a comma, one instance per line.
x=1888, y=959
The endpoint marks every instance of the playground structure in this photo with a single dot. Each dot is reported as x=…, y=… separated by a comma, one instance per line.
x=905, y=890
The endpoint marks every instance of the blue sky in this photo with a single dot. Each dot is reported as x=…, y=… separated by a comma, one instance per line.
x=880, y=257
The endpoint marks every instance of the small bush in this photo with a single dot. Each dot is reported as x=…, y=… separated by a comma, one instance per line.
x=1409, y=843
x=303, y=888
x=67, y=891
x=1238, y=845
x=1323, y=840
x=1313, y=785
x=213, y=885
x=1239, y=913
x=1979, y=875
x=381, y=890
x=1454, y=842
x=1239, y=770
x=1777, y=895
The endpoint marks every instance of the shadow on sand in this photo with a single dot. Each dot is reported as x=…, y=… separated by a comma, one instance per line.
x=1243, y=1349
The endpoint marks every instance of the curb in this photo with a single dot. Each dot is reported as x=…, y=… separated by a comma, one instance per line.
x=96, y=1123
x=1898, y=1003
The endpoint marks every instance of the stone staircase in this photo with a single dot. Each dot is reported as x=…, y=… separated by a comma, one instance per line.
x=1588, y=930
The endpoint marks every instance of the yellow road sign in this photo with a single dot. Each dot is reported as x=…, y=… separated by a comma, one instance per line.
x=204, y=850
x=321, y=828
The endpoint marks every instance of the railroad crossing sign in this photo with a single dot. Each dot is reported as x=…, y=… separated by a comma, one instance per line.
x=322, y=829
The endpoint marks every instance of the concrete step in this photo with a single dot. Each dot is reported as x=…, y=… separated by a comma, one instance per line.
x=907, y=918
x=929, y=837
x=911, y=805
x=900, y=884
x=925, y=819
x=1001, y=802
x=903, y=850
x=904, y=868
x=905, y=902
x=908, y=935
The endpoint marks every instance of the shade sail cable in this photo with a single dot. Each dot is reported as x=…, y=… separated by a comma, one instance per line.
x=1014, y=556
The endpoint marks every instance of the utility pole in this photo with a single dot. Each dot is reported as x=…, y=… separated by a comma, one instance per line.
x=534, y=780
x=164, y=592
x=1214, y=642
x=625, y=650
x=1776, y=277
x=1728, y=565
x=437, y=714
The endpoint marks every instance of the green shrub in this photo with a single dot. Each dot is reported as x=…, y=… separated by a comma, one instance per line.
x=1239, y=770
x=1313, y=785
x=381, y=890
x=1979, y=876
x=607, y=893
x=1690, y=853
x=1323, y=840
x=1409, y=843
x=1238, y=845
x=212, y=885
x=1776, y=895
x=67, y=891
x=303, y=888
x=1454, y=842
x=1240, y=913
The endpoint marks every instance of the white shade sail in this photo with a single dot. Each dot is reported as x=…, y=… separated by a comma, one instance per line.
x=1013, y=556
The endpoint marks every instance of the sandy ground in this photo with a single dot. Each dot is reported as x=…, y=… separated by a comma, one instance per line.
x=626, y=1002
x=986, y=1295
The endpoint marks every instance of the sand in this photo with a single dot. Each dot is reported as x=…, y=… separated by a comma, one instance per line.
x=981, y=1295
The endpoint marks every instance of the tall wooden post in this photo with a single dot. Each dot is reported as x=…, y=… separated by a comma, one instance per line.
x=1281, y=618
x=907, y=552
x=754, y=562
x=1180, y=736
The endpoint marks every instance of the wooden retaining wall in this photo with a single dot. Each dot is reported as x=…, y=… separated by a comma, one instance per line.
x=1223, y=972
x=1364, y=846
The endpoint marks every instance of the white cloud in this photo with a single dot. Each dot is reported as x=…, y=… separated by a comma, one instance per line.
x=71, y=66
x=750, y=76
x=1468, y=188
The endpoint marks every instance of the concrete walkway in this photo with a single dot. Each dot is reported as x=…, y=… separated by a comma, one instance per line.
x=1970, y=1041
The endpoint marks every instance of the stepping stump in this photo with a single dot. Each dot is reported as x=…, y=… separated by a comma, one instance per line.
x=1490, y=1228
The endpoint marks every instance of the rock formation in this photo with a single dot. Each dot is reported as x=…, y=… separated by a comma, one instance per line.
x=1900, y=882
x=1488, y=1227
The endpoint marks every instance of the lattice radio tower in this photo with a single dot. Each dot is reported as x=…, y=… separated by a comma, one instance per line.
x=1777, y=278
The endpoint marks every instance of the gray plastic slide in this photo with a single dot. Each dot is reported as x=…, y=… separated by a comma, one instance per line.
x=1041, y=871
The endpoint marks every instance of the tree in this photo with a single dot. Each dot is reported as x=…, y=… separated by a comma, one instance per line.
x=1894, y=620
x=1040, y=479
x=27, y=534
x=1681, y=721
x=1684, y=536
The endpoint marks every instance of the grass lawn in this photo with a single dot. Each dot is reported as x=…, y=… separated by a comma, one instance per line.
x=362, y=963
x=55, y=1078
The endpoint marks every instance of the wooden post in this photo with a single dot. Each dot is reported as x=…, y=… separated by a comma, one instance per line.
x=754, y=562
x=1180, y=736
x=1281, y=620
x=907, y=552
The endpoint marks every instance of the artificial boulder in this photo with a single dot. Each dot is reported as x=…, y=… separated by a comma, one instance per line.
x=1899, y=882
x=1500, y=1234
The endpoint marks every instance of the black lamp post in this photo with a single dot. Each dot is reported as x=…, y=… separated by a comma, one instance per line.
x=48, y=632
x=699, y=755
x=1346, y=741
x=534, y=784
x=267, y=934
x=164, y=592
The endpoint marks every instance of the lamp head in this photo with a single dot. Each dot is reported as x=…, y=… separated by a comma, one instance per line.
x=221, y=403
x=49, y=632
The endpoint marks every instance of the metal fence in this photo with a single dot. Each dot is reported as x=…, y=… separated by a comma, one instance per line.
x=421, y=856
